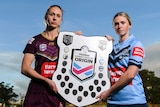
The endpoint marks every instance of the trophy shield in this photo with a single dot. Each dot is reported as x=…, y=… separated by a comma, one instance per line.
x=82, y=71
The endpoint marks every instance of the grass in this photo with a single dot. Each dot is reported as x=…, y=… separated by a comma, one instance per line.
x=98, y=104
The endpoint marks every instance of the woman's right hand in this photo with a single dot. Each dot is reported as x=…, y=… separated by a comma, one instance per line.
x=52, y=85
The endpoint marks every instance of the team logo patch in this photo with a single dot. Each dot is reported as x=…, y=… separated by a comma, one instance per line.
x=81, y=72
x=42, y=47
x=137, y=51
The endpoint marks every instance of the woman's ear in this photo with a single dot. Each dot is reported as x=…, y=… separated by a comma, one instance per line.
x=47, y=21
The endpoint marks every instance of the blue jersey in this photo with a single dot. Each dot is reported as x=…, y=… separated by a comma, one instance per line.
x=129, y=52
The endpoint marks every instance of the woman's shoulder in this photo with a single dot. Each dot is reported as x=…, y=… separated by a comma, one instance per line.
x=35, y=38
x=136, y=42
x=38, y=36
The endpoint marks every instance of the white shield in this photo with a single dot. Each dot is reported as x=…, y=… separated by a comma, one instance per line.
x=82, y=73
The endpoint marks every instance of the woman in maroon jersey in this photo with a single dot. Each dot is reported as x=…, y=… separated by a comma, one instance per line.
x=42, y=91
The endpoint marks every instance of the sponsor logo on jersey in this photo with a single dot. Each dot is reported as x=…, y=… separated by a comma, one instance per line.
x=48, y=69
x=137, y=51
x=116, y=73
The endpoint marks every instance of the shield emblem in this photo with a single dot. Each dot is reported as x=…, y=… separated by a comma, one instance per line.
x=102, y=44
x=83, y=63
x=67, y=39
x=81, y=73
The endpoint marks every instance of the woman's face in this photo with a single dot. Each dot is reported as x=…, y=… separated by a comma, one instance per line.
x=121, y=26
x=54, y=17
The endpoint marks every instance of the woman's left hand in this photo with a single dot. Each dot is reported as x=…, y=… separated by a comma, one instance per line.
x=52, y=85
x=103, y=96
x=78, y=33
x=110, y=38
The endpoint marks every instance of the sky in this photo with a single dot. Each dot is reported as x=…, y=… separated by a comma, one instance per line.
x=22, y=19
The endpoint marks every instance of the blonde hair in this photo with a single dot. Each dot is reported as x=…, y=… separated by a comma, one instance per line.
x=124, y=15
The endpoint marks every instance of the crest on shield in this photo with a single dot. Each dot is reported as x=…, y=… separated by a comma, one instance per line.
x=67, y=39
x=83, y=63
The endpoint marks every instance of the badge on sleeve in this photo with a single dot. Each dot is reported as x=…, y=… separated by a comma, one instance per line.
x=82, y=71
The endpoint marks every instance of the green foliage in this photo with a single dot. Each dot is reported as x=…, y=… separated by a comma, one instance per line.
x=6, y=93
x=151, y=86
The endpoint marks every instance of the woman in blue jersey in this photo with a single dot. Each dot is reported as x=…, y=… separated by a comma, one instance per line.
x=42, y=91
x=124, y=63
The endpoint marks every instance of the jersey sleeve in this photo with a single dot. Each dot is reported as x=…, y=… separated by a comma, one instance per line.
x=31, y=46
x=137, y=54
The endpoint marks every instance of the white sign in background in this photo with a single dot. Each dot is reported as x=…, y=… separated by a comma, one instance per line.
x=82, y=73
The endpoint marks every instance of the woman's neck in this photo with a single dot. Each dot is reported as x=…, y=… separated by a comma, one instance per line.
x=51, y=34
x=123, y=37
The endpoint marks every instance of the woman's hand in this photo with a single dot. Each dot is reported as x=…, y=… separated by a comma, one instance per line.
x=78, y=33
x=103, y=96
x=110, y=38
x=52, y=85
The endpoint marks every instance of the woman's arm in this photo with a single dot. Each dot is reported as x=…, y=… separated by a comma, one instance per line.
x=27, y=70
x=124, y=80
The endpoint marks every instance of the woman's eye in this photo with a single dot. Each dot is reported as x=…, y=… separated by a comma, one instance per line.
x=123, y=22
x=52, y=14
x=115, y=24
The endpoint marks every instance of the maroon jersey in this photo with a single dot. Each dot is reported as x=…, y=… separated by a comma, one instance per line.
x=46, y=56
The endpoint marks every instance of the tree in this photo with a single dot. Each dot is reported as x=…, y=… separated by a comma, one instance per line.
x=151, y=86
x=6, y=93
